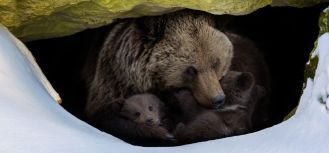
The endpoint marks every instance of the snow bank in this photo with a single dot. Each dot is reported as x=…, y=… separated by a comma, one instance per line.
x=32, y=122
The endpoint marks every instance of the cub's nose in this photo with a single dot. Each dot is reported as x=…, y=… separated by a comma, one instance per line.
x=218, y=101
x=149, y=121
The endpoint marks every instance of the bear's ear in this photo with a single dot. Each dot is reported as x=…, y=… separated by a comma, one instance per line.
x=157, y=100
x=245, y=81
x=152, y=28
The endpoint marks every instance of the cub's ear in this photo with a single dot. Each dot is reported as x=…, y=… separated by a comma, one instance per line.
x=157, y=99
x=116, y=105
x=245, y=81
x=110, y=109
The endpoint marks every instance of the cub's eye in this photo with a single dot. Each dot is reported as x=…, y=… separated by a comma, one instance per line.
x=137, y=114
x=191, y=72
x=150, y=108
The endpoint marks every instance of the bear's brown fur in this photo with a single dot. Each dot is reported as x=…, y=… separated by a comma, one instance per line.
x=233, y=118
x=176, y=50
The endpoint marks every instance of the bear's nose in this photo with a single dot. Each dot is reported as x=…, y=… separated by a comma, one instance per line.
x=149, y=121
x=218, y=101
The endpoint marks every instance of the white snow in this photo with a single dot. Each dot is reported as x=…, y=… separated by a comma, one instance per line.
x=32, y=122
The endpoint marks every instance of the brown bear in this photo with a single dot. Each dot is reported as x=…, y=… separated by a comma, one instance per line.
x=233, y=118
x=138, y=118
x=176, y=50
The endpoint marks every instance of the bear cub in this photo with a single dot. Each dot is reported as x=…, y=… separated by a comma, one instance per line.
x=233, y=118
x=142, y=109
x=138, y=119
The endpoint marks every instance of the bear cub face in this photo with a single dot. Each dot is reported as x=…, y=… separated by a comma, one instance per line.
x=240, y=89
x=143, y=109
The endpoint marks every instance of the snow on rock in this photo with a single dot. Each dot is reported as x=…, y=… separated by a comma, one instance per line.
x=32, y=122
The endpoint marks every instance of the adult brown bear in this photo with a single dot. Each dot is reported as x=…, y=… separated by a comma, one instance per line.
x=176, y=50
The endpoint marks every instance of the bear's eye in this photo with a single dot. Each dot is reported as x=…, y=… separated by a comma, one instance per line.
x=137, y=114
x=191, y=72
x=222, y=78
x=150, y=108
x=216, y=64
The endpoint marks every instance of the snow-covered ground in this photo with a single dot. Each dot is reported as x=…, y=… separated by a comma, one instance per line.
x=32, y=122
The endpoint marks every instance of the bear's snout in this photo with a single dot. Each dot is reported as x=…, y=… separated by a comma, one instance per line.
x=149, y=121
x=207, y=90
x=218, y=100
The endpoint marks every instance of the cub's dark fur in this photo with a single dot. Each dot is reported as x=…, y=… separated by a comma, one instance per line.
x=137, y=118
x=234, y=117
x=249, y=58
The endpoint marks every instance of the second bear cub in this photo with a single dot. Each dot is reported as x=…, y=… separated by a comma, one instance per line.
x=234, y=117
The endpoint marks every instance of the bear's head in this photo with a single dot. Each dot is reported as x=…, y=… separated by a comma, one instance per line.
x=142, y=108
x=240, y=89
x=191, y=54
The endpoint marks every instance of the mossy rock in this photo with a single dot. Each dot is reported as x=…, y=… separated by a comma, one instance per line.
x=313, y=61
x=32, y=20
x=311, y=65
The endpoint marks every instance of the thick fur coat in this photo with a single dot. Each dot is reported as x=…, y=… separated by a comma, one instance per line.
x=176, y=50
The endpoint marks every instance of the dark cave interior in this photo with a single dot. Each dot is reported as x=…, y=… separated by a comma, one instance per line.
x=286, y=36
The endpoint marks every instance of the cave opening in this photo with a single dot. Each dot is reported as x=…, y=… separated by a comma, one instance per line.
x=286, y=36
